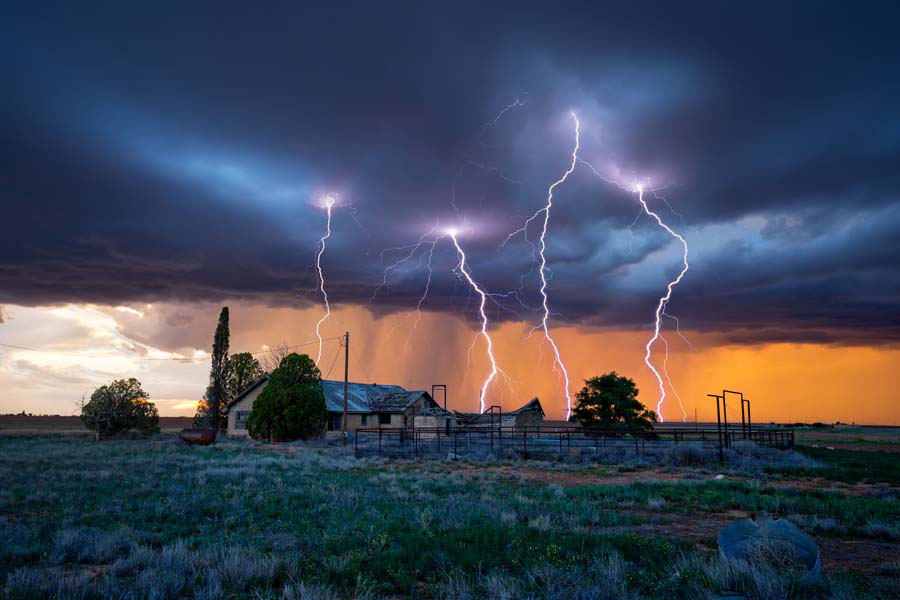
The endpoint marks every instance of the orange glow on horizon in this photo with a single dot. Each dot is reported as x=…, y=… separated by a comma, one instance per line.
x=786, y=382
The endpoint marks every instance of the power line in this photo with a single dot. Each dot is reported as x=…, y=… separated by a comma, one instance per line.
x=252, y=353
x=361, y=365
x=173, y=359
x=334, y=362
x=19, y=347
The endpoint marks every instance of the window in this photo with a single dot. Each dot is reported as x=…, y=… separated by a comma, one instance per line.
x=384, y=418
x=335, y=421
x=240, y=419
x=365, y=420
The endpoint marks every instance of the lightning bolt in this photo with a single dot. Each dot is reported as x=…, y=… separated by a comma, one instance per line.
x=495, y=370
x=669, y=379
x=410, y=250
x=638, y=188
x=661, y=306
x=421, y=253
x=328, y=202
x=558, y=364
x=484, y=128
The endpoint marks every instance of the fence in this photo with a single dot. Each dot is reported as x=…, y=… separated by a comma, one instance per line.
x=538, y=441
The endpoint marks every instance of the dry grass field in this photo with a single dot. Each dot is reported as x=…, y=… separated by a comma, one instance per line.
x=154, y=518
x=44, y=425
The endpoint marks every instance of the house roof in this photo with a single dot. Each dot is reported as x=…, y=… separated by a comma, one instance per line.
x=361, y=397
x=396, y=402
x=250, y=388
x=534, y=405
x=432, y=411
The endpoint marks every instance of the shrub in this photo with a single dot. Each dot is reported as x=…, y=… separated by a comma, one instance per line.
x=292, y=405
x=686, y=455
x=120, y=406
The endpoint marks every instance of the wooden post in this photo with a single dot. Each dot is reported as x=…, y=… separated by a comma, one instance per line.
x=346, y=384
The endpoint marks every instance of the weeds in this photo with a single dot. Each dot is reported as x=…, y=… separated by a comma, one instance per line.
x=160, y=520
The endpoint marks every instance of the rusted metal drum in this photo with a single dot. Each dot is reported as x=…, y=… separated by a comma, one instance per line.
x=200, y=437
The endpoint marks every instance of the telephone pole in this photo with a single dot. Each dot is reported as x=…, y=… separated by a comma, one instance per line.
x=346, y=384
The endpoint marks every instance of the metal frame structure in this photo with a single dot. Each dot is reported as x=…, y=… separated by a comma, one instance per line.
x=443, y=388
x=719, y=424
x=543, y=441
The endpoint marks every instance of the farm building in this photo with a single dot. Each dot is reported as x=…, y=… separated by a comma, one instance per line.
x=529, y=415
x=368, y=405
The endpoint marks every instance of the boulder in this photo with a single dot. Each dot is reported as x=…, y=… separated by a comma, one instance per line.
x=777, y=539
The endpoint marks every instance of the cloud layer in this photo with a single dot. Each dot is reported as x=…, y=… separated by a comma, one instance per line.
x=177, y=156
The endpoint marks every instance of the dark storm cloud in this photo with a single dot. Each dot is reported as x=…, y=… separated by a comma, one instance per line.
x=176, y=154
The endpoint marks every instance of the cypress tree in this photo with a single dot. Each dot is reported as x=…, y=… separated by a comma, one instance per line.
x=211, y=412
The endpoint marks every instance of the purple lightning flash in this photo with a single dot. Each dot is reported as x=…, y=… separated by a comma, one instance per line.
x=661, y=305
x=328, y=203
x=495, y=370
x=558, y=364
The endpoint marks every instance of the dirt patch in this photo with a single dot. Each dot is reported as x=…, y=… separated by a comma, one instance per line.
x=573, y=478
x=611, y=477
x=862, y=447
x=838, y=555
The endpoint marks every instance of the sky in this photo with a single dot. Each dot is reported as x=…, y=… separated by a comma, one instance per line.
x=158, y=162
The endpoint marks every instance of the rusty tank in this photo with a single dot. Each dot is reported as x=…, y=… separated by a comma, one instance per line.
x=199, y=437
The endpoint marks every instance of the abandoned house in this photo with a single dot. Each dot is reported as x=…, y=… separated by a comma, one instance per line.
x=368, y=405
x=529, y=415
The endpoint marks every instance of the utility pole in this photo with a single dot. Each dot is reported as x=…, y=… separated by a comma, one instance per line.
x=346, y=384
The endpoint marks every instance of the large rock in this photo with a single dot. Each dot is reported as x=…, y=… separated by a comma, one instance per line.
x=771, y=538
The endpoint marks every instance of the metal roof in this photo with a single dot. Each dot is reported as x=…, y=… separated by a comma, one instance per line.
x=361, y=397
x=534, y=405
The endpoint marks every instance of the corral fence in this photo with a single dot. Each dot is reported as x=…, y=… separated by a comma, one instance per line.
x=545, y=441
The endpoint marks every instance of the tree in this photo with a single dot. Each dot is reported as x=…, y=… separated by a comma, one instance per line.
x=120, y=406
x=211, y=410
x=292, y=405
x=271, y=360
x=242, y=370
x=610, y=402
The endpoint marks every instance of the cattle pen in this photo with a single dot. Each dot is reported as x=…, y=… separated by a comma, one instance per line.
x=559, y=441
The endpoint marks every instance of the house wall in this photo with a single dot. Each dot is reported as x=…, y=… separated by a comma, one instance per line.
x=355, y=421
x=434, y=421
x=409, y=415
x=244, y=405
x=531, y=418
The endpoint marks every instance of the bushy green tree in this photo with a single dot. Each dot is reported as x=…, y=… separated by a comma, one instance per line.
x=242, y=370
x=610, y=402
x=120, y=406
x=211, y=410
x=292, y=405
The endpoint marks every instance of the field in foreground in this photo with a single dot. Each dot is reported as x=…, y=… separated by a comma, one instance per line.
x=157, y=519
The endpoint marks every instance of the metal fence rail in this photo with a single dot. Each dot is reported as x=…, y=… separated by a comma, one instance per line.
x=537, y=441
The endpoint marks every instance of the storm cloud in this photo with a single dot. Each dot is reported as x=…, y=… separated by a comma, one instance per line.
x=151, y=154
